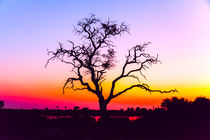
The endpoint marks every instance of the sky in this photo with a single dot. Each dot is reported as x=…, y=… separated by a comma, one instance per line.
x=179, y=31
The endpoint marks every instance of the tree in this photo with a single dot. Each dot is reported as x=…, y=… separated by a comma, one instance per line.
x=65, y=107
x=201, y=101
x=1, y=104
x=176, y=104
x=96, y=56
x=202, y=104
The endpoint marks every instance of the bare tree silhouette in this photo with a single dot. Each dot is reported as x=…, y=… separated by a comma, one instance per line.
x=96, y=56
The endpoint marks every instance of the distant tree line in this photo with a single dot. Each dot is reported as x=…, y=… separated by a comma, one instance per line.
x=182, y=104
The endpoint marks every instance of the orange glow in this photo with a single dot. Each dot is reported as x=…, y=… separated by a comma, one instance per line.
x=51, y=93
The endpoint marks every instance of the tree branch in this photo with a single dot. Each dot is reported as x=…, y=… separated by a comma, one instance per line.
x=136, y=55
x=142, y=86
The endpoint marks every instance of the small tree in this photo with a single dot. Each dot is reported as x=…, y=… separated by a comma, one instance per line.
x=76, y=108
x=137, y=108
x=65, y=107
x=1, y=104
x=96, y=56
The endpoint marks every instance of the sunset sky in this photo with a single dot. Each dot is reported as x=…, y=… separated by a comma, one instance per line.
x=179, y=31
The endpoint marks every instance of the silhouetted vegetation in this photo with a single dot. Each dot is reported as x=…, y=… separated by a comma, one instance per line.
x=178, y=119
x=176, y=104
x=93, y=58
x=1, y=104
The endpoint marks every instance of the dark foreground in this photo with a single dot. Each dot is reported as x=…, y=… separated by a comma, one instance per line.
x=158, y=124
x=178, y=119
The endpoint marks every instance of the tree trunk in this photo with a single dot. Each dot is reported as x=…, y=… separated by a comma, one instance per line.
x=103, y=109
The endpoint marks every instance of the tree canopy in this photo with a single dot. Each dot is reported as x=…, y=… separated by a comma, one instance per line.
x=96, y=55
